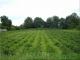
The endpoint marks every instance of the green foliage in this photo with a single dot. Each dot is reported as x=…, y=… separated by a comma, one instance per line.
x=42, y=44
x=6, y=23
x=72, y=20
x=49, y=22
x=17, y=27
x=38, y=22
x=28, y=23
x=78, y=27
x=72, y=26
x=61, y=23
x=22, y=26
x=3, y=27
x=5, y=51
x=55, y=21
x=13, y=28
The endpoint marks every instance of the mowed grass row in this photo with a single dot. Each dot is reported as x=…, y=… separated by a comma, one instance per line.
x=40, y=44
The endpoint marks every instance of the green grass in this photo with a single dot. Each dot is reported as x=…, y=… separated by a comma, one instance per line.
x=46, y=44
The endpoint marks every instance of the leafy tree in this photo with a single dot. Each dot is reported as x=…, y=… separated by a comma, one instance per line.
x=28, y=23
x=55, y=20
x=62, y=23
x=6, y=23
x=78, y=26
x=4, y=20
x=72, y=20
x=45, y=24
x=9, y=24
x=49, y=22
x=22, y=26
x=38, y=22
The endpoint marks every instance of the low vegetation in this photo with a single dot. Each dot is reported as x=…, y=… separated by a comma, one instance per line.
x=40, y=44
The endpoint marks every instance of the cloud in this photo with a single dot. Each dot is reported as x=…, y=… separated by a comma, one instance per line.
x=18, y=10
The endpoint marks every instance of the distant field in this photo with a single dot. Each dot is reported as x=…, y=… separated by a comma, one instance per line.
x=40, y=44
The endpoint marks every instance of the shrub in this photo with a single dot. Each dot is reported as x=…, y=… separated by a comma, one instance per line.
x=78, y=27
x=5, y=51
x=13, y=28
x=72, y=25
x=3, y=27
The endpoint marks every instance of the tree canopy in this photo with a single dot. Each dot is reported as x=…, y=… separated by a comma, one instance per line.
x=70, y=22
x=38, y=22
x=6, y=23
x=28, y=23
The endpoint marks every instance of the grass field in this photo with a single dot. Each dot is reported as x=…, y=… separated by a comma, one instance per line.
x=38, y=44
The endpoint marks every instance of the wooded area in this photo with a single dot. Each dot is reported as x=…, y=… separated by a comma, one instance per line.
x=70, y=22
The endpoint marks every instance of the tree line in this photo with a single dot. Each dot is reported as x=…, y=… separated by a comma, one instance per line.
x=70, y=22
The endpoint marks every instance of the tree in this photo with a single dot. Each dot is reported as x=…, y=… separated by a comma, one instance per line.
x=28, y=23
x=45, y=24
x=38, y=22
x=6, y=23
x=72, y=21
x=55, y=20
x=62, y=23
x=49, y=22
x=4, y=20
x=9, y=24
x=17, y=27
x=78, y=26
x=22, y=26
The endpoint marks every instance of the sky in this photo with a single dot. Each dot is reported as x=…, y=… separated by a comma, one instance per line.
x=18, y=10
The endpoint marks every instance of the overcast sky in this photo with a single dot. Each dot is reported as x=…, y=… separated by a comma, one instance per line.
x=18, y=10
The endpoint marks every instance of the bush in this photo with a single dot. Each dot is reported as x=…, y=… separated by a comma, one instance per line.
x=78, y=27
x=72, y=25
x=3, y=27
x=5, y=50
x=13, y=28
x=17, y=27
